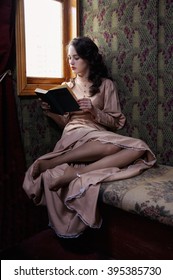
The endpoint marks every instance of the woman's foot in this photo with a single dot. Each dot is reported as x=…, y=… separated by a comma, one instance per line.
x=69, y=175
x=39, y=167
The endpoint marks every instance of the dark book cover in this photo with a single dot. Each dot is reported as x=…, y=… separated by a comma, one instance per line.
x=61, y=99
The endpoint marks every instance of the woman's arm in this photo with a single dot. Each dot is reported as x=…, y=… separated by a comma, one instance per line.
x=113, y=122
x=61, y=121
x=110, y=114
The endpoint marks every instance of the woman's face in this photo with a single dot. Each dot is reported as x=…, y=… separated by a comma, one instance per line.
x=78, y=65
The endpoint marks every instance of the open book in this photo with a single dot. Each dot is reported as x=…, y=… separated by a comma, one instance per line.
x=61, y=99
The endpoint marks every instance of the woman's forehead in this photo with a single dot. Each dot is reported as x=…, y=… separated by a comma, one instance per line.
x=72, y=50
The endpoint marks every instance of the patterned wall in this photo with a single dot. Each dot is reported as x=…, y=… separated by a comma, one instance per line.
x=40, y=133
x=165, y=83
x=136, y=40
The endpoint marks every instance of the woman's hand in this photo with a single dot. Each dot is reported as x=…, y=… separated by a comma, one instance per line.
x=58, y=119
x=86, y=105
x=45, y=107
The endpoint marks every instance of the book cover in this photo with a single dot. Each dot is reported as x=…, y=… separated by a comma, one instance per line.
x=61, y=99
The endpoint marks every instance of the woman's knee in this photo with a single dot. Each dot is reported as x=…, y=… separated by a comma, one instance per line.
x=109, y=149
x=137, y=154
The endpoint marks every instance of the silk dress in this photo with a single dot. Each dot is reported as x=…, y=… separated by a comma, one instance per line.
x=73, y=208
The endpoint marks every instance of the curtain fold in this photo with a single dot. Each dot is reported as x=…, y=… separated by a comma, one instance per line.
x=12, y=161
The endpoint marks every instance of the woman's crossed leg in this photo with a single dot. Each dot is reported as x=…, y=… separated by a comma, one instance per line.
x=98, y=155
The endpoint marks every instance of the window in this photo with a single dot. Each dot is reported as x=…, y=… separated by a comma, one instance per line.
x=43, y=29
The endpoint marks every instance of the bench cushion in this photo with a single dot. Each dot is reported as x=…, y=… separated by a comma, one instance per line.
x=149, y=194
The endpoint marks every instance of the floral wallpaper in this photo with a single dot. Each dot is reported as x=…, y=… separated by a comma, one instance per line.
x=40, y=133
x=165, y=82
x=126, y=32
x=136, y=39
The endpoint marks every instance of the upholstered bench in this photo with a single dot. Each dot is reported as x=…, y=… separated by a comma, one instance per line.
x=149, y=194
x=149, y=234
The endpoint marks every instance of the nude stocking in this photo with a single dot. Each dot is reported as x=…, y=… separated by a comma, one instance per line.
x=119, y=159
x=88, y=152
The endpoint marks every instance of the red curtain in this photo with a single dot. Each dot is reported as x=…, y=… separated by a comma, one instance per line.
x=12, y=162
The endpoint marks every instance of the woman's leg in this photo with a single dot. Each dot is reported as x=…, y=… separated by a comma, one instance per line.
x=120, y=159
x=88, y=152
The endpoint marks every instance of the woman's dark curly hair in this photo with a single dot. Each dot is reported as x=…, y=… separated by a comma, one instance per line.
x=88, y=50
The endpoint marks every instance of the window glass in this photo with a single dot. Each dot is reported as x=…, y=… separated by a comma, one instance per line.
x=43, y=30
x=44, y=50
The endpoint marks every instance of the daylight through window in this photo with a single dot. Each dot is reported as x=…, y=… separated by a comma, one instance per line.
x=44, y=55
x=43, y=30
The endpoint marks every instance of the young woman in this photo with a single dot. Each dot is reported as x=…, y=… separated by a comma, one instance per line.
x=89, y=152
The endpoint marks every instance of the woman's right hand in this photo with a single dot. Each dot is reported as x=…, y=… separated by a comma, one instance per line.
x=45, y=106
x=58, y=119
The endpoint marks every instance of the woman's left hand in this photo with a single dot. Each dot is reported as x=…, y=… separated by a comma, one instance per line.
x=85, y=104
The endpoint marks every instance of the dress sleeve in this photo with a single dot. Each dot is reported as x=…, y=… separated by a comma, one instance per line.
x=110, y=116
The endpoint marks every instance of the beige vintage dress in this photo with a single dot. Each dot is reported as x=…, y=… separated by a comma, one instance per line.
x=74, y=208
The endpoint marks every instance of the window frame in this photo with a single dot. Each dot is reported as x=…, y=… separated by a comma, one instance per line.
x=26, y=85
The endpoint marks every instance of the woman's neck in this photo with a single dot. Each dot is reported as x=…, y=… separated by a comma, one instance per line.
x=83, y=79
x=82, y=86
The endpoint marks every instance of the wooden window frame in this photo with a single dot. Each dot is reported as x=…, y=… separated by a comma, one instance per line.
x=26, y=85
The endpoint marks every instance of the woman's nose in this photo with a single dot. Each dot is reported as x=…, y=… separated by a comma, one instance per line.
x=72, y=62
